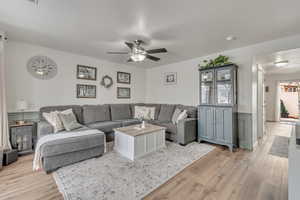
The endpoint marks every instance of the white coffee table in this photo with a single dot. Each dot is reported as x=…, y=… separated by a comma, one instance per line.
x=133, y=142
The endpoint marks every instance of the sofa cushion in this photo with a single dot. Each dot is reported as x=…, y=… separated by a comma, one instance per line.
x=95, y=113
x=128, y=122
x=166, y=112
x=183, y=115
x=106, y=127
x=157, y=109
x=55, y=121
x=156, y=122
x=120, y=111
x=132, y=107
x=69, y=120
x=73, y=144
x=175, y=116
x=144, y=112
x=44, y=128
x=77, y=110
x=191, y=110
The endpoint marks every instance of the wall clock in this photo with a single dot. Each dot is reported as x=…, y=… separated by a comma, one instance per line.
x=42, y=67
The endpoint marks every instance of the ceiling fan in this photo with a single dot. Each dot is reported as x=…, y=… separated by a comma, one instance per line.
x=138, y=53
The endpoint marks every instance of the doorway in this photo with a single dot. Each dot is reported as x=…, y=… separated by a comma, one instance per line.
x=289, y=100
x=260, y=104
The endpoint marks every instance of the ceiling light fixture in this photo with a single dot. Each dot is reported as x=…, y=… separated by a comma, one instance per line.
x=281, y=63
x=230, y=38
x=138, y=55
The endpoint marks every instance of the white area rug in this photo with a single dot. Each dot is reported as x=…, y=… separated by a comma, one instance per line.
x=114, y=177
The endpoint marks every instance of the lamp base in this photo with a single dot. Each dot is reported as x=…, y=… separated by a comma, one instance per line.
x=20, y=122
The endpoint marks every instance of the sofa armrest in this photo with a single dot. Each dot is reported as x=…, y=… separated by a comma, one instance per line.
x=186, y=130
x=44, y=128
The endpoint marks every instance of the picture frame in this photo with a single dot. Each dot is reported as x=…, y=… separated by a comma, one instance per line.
x=123, y=77
x=170, y=78
x=123, y=93
x=86, y=91
x=86, y=72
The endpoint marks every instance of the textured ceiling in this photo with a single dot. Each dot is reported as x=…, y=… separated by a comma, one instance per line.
x=292, y=56
x=187, y=29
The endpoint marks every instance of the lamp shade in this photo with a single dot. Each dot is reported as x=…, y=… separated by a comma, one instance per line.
x=22, y=105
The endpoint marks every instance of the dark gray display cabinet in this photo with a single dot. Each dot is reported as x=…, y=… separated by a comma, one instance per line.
x=217, y=111
x=22, y=137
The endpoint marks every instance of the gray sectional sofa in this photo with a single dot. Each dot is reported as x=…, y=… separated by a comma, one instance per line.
x=104, y=118
x=109, y=116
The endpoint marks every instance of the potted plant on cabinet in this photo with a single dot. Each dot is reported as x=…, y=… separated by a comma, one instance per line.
x=218, y=61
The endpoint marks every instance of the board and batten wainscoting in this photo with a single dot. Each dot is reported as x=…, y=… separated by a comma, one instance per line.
x=28, y=115
x=245, y=130
x=244, y=125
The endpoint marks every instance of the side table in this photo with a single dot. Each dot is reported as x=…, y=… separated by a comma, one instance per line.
x=21, y=137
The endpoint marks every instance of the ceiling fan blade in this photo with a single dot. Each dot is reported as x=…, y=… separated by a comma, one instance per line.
x=116, y=52
x=152, y=58
x=130, y=45
x=161, y=50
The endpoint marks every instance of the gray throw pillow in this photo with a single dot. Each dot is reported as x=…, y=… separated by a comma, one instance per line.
x=69, y=120
x=175, y=115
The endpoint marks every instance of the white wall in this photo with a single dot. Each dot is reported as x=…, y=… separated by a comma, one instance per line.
x=271, y=97
x=61, y=90
x=187, y=89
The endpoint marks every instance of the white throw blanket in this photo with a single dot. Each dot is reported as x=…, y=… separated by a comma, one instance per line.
x=37, y=161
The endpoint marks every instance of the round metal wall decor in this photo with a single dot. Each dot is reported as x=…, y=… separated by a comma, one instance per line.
x=106, y=81
x=42, y=67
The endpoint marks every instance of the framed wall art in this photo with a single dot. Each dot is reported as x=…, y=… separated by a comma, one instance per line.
x=123, y=93
x=123, y=77
x=86, y=91
x=170, y=78
x=86, y=72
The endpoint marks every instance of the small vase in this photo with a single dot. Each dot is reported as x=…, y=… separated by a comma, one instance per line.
x=143, y=125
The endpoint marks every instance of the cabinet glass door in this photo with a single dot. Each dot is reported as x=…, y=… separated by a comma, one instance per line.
x=207, y=76
x=207, y=85
x=224, y=89
x=224, y=75
x=207, y=93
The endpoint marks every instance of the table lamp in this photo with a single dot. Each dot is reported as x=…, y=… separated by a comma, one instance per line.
x=22, y=105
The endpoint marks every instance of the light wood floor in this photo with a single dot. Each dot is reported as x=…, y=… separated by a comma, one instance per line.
x=219, y=175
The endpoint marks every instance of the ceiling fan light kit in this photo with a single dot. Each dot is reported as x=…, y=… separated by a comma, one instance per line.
x=281, y=63
x=231, y=38
x=138, y=53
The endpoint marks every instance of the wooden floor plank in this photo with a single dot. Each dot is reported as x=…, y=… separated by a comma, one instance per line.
x=219, y=175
